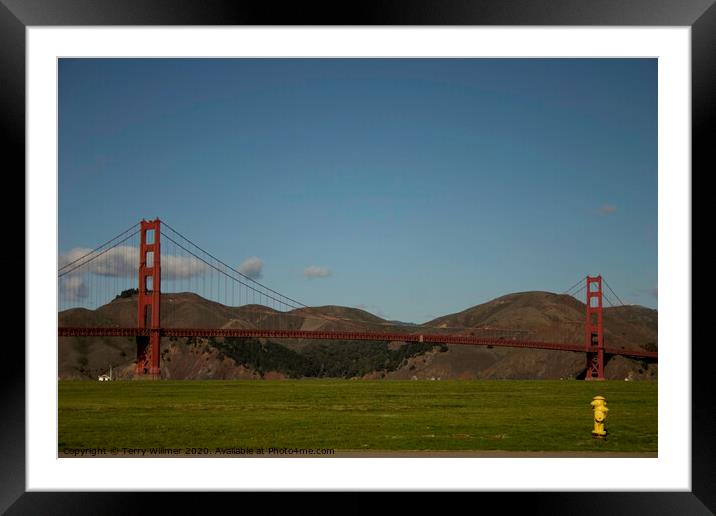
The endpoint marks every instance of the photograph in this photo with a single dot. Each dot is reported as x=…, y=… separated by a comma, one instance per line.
x=357, y=257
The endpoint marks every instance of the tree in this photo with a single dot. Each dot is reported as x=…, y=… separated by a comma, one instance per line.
x=127, y=293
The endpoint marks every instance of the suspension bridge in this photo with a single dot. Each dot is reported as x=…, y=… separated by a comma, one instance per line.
x=152, y=260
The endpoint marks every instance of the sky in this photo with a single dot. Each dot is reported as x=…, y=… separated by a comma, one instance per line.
x=411, y=188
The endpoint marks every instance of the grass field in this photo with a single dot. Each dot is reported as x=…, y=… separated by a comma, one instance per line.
x=356, y=415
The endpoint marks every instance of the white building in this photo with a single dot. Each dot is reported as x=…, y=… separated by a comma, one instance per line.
x=106, y=377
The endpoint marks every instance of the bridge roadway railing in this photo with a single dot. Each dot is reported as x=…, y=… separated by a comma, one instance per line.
x=342, y=335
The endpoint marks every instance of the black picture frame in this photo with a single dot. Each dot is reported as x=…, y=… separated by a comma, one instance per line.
x=700, y=15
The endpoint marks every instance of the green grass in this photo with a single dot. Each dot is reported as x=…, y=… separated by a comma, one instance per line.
x=357, y=415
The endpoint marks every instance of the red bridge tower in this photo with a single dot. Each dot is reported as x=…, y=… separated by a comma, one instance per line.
x=148, y=314
x=594, y=335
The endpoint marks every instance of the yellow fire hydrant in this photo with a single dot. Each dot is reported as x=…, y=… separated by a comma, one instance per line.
x=599, y=406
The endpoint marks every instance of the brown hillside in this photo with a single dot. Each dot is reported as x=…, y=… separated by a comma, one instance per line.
x=555, y=317
x=522, y=310
x=542, y=316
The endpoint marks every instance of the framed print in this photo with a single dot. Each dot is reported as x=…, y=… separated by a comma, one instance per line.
x=58, y=55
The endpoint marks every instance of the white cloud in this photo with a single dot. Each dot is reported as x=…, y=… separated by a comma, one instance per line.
x=316, y=272
x=120, y=261
x=251, y=267
x=123, y=262
x=608, y=209
x=181, y=267
x=73, y=287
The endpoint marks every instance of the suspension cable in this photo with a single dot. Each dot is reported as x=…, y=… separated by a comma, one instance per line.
x=581, y=281
x=574, y=294
x=615, y=294
x=232, y=269
x=229, y=276
x=604, y=296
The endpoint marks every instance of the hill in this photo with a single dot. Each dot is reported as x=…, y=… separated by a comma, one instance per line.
x=539, y=316
x=525, y=315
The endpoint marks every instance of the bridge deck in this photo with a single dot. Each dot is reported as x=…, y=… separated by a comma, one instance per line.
x=343, y=335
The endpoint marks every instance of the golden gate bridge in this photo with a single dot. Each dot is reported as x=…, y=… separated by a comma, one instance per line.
x=162, y=260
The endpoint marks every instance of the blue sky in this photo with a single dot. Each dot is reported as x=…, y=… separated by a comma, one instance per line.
x=415, y=187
